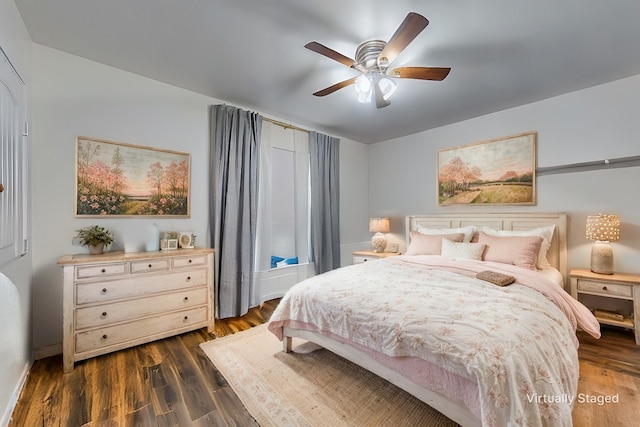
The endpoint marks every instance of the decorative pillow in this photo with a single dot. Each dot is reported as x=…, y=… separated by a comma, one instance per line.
x=545, y=232
x=517, y=250
x=467, y=231
x=423, y=244
x=463, y=250
x=275, y=260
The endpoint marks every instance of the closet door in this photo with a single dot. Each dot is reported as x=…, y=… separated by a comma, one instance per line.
x=13, y=163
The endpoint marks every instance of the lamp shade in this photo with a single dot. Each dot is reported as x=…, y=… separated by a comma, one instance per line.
x=603, y=227
x=378, y=225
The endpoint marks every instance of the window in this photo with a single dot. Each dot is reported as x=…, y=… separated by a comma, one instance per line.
x=283, y=218
x=283, y=212
x=13, y=163
x=283, y=203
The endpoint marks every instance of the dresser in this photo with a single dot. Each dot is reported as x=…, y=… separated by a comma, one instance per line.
x=118, y=300
x=614, y=298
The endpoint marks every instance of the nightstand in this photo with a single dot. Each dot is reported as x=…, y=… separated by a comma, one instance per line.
x=364, y=256
x=615, y=298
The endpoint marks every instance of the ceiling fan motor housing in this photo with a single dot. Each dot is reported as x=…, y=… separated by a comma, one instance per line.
x=368, y=55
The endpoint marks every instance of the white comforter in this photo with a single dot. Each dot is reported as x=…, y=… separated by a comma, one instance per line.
x=517, y=342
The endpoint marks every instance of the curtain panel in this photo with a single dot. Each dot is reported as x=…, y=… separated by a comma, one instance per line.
x=233, y=207
x=324, y=153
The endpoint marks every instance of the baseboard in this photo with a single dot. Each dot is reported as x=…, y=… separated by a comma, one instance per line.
x=6, y=417
x=47, y=351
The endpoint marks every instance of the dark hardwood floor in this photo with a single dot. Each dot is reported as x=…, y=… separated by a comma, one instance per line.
x=172, y=383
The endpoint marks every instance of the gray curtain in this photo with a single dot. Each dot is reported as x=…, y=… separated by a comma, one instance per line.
x=325, y=201
x=233, y=175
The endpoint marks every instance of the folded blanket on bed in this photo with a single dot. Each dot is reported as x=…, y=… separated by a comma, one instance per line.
x=496, y=278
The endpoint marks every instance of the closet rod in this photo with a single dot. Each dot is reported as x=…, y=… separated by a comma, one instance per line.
x=285, y=125
x=620, y=162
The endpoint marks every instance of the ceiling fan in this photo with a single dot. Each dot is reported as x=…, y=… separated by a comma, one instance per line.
x=373, y=59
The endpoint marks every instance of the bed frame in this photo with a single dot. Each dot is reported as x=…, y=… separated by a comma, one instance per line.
x=557, y=257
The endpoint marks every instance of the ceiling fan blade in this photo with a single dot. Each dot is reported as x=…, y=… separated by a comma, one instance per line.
x=412, y=25
x=330, y=53
x=421, y=73
x=335, y=87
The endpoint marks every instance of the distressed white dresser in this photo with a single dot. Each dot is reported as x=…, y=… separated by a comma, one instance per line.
x=119, y=300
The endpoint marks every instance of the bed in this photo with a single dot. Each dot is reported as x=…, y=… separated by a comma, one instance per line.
x=479, y=353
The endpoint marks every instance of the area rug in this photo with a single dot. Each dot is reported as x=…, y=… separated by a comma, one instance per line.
x=312, y=386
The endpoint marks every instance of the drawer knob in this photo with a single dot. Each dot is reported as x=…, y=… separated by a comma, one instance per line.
x=103, y=270
x=604, y=288
x=104, y=337
x=189, y=261
x=188, y=277
x=186, y=298
x=104, y=314
x=149, y=265
x=104, y=290
x=186, y=317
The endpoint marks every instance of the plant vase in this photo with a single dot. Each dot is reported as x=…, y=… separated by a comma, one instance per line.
x=96, y=249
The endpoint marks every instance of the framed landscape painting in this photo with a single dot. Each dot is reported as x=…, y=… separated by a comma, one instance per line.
x=122, y=180
x=497, y=172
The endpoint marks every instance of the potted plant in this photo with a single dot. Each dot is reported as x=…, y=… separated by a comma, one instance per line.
x=95, y=237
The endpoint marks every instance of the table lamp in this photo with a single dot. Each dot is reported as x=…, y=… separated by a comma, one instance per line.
x=378, y=226
x=602, y=228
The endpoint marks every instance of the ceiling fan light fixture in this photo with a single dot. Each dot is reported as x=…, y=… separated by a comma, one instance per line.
x=387, y=87
x=363, y=88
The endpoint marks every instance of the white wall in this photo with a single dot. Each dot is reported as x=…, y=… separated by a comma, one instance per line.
x=73, y=96
x=15, y=338
x=592, y=124
x=354, y=199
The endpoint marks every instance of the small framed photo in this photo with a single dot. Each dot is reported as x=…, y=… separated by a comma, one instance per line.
x=172, y=244
x=186, y=239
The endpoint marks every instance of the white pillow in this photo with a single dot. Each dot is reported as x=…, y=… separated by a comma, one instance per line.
x=467, y=231
x=545, y=232
x=463, y=250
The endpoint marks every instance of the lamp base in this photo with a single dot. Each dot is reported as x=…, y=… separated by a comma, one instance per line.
x=602, y=258
x=378, y=242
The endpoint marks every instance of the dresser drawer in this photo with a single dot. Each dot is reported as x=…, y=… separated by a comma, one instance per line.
x=149, y=265
x=139, y=329
x=180, y=262
x=103, y=270
x=115, y=312
x=140, y=285
x=601, y=288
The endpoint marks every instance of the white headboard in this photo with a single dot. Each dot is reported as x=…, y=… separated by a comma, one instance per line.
x=557, y=254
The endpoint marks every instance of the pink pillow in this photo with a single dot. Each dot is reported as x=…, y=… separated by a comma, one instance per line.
x=425, y=244
x=521, y=251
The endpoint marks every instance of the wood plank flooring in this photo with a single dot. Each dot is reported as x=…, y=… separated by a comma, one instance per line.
x=172, y=383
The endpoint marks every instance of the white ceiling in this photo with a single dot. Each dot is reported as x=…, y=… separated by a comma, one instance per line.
x=250, y=53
